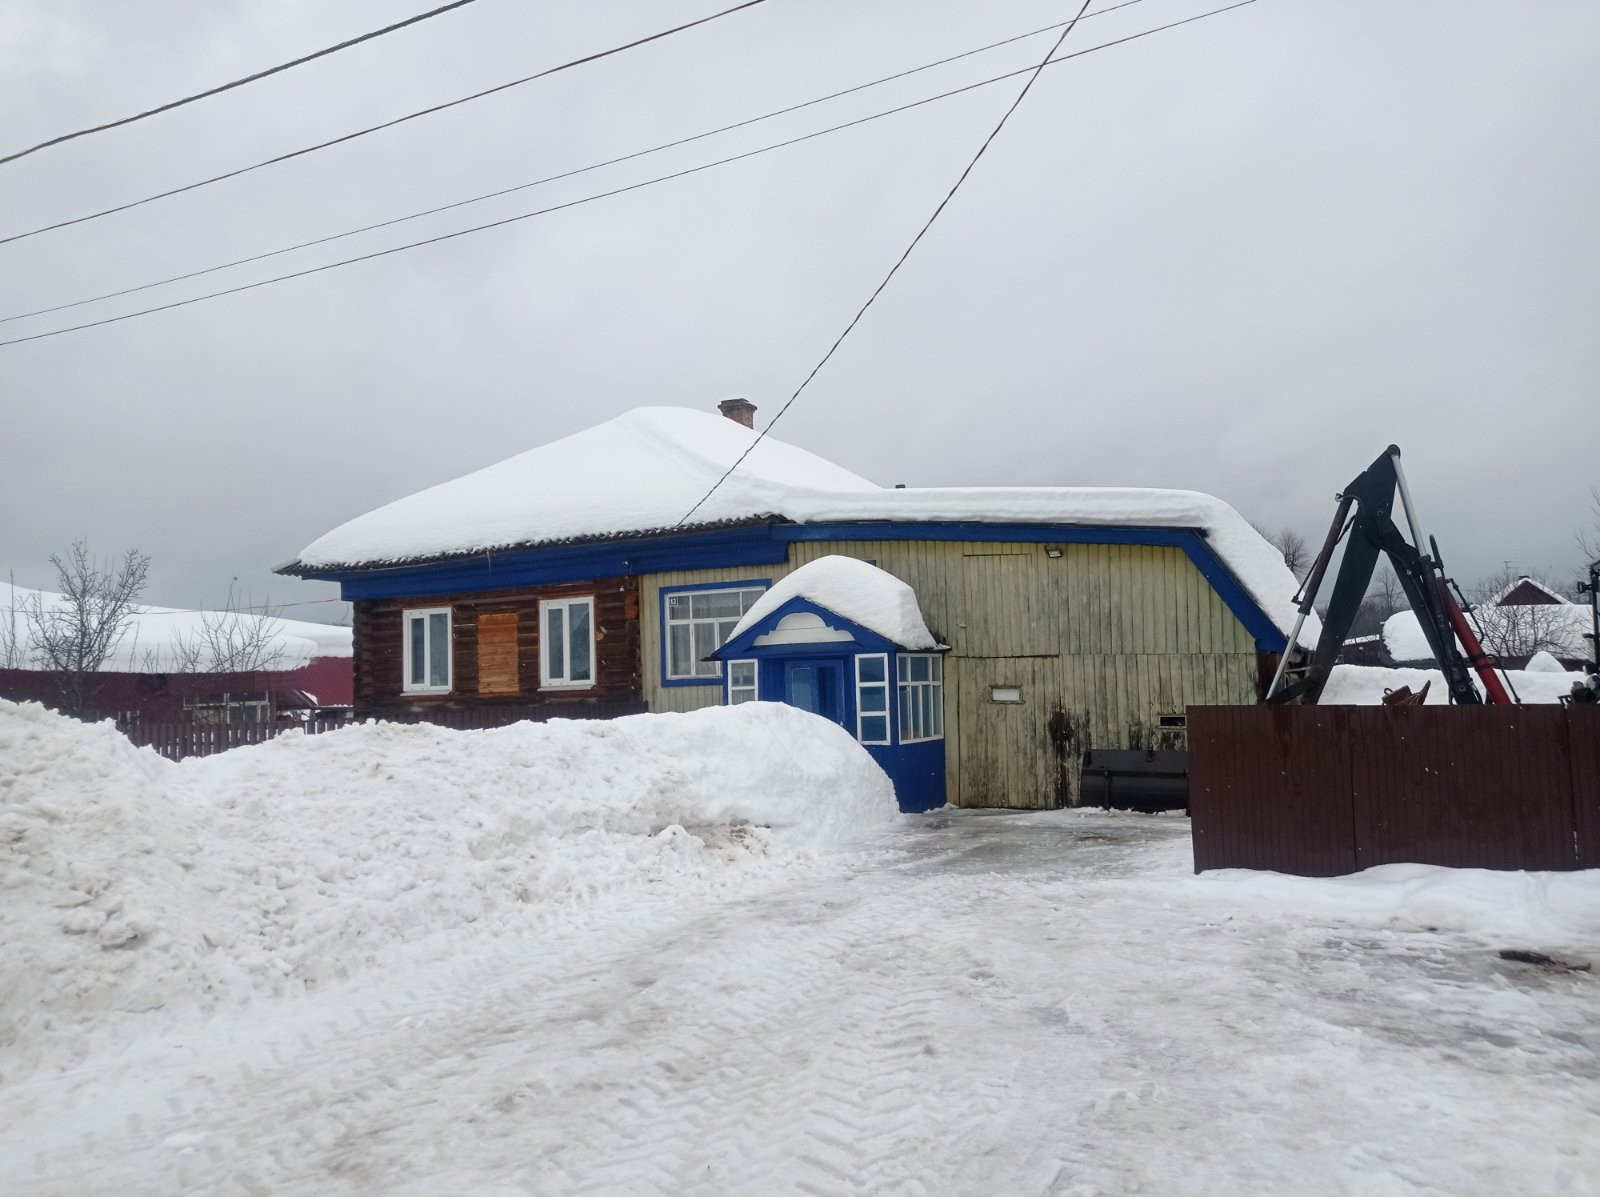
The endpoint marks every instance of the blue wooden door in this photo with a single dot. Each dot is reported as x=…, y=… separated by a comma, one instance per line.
x=816, y=686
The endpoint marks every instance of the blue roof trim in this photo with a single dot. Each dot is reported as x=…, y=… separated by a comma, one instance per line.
x=765, y=544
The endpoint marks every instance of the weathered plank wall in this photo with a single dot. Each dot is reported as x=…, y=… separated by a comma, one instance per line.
x=379, y=657
x=1102, y=640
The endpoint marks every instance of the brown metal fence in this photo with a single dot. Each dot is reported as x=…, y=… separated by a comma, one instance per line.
x=1322, y=791
x=178, y=741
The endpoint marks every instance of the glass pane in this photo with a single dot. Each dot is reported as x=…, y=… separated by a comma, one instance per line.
x=874, y=698
x=925, y=711
x=718, y=604
x=905, y=713
x=938, y=668
x=747, y=599
x=578, y=617
x=419, y=655
x=680, y=663
x=938, y=712
x=919, y=669
x=677, y=606
x=735, y=697
x=871, y=669
x=555, y=643
x=724, y=630
x=902, y=668
x=874, y=728
x=438, y=649
x=705, y=641
x=743, y=673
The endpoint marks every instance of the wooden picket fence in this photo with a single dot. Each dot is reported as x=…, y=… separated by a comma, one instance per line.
x=179, y=741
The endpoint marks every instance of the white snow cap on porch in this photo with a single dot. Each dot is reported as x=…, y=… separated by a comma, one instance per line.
x=642, y=471
x=862, y=593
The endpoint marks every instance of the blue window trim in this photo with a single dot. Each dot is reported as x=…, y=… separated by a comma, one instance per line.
x=887, y=686
x=661, y=626
x=763, y=544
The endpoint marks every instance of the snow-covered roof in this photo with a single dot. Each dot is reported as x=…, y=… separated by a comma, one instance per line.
x=162, y=639
x=642, y=472
x=864, y=594
x=1563, y=625
x=1548, y=591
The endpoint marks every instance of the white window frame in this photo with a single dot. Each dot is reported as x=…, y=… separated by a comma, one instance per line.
x=546, y=681
x=885, y=714
x=667, y=624
x=754, y=688
x=423, y=614
x=906, y=694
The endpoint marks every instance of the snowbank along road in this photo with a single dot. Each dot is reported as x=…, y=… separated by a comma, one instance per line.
x=976, y=1004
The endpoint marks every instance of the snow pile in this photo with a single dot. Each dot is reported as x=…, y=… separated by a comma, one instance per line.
x=861, y=593
x=643, y=471
x=1364, y=685
x=1547, y=911
x=163, y=639
x=130, y=883
x=1543, y=662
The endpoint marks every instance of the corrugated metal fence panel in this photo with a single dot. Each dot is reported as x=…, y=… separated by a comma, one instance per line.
x=1325, y=790
x=1583, y=736
x=1465, y=787
x=1264, y=794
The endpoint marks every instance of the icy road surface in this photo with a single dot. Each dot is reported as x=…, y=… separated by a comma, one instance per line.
x=992, y=1004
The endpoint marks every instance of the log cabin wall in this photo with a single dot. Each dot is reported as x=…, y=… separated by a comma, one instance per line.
x=379, y=656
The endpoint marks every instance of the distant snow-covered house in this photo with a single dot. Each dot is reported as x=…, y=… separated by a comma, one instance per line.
x=165, y=666
x=573, y=579
x=1526, y=617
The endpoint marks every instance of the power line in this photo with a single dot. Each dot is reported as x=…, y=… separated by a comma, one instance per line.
x=893, y=270
x=504, y=191
x=218, y=90
x=494, y=224
x=399, y=120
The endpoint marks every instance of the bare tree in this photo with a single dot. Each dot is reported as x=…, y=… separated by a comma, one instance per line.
x=13, y=649
x=1296, y=553
x=73, y=638
x=233, y=640
x=1589, y=541
x=1384, y=597
x=1522, y=629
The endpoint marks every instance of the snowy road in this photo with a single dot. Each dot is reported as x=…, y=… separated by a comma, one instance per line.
x=992, y=1004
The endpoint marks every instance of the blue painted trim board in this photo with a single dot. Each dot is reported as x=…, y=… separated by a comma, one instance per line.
x=766, y=544
x=661, y=622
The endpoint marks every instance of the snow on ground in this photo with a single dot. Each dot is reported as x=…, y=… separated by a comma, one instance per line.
x=857, y=590
x=1364, y=685
x=1047, y=1005
x=134, y=884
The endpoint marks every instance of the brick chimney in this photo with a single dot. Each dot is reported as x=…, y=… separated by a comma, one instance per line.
x=740, y=411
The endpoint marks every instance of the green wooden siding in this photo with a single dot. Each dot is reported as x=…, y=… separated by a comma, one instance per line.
x=1102, y=640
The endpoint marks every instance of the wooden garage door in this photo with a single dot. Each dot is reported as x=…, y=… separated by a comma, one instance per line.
x=1006, y=758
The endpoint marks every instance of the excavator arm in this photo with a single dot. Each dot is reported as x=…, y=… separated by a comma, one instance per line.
x=1368, y=506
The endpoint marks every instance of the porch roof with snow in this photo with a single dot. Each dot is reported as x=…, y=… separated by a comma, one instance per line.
x=869, y=597
x=635, y=477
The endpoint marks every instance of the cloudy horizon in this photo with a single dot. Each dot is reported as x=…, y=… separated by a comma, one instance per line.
x=1240, y=257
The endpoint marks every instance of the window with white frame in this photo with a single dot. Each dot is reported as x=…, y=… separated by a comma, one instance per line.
x=566, y=642
x=697, y=623
x=921, y=680
x=741, y=682
x=426, y=635
x=872, y=698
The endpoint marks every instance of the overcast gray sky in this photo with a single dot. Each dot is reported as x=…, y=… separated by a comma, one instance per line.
x=1240, y=257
